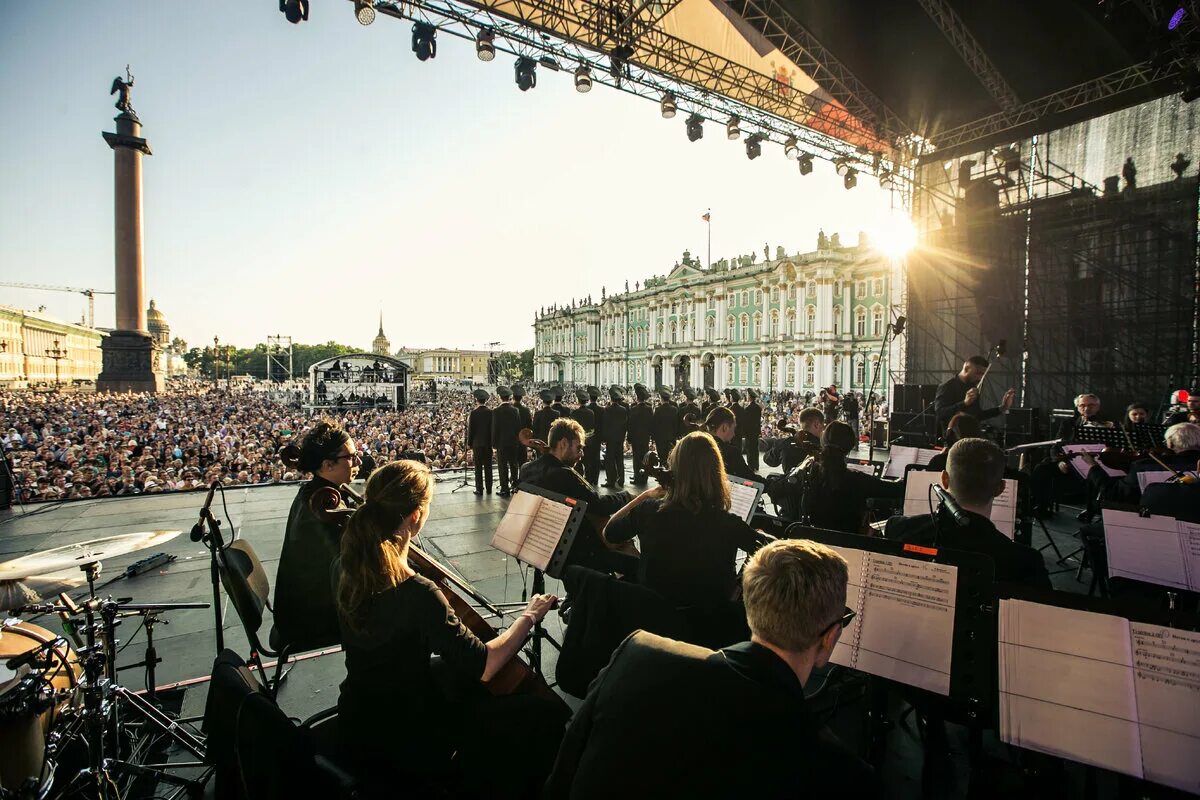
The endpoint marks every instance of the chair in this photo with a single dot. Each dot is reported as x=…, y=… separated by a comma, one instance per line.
x=278, y=759
x=246, y=583
x=232, y=682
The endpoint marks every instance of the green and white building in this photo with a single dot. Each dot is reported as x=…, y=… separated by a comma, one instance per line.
x=795, y=322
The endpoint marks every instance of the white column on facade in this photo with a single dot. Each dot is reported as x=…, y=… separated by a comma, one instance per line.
x=798, y=372
x=824, y=326
x=721, y=314
x=780, y=373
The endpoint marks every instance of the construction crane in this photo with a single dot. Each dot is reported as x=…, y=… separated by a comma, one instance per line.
x=90, y=294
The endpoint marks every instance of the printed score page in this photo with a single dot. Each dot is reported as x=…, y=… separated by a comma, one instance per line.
x=904, y=629
x=866, y=469
x=1066, y=685
x=1152, y=549
x=1167, y=679
x=510, y=533
x=900, y=457
x=545, y=532
x=917, y=498
x=741, y=499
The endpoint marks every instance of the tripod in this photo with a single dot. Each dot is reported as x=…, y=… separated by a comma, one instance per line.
x=465, y=481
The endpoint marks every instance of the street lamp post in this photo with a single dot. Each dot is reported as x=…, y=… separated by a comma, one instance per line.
x=58, y=354
x=216, y=352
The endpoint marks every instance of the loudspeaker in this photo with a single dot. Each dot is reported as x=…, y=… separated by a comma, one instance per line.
x=1023, y=421
x=913, y=397
x=920, y=424
x=879, y=433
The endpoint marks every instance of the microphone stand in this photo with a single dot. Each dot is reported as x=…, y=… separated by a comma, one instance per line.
x=894, y=329
x=214, y=543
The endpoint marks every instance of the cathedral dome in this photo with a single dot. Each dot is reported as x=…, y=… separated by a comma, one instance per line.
x=157, y=325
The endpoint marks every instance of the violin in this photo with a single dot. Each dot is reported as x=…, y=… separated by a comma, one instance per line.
x=653, y=468
x=515, y=677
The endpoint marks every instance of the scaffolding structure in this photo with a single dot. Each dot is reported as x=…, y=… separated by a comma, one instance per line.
x=279, y=358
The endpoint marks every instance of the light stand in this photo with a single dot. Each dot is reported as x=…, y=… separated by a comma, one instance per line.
x=895, y=329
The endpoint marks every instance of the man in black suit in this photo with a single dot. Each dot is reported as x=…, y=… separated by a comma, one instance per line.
x=961, y=393
x=545, y=415
x=641, y=726
x=616, y=422
x=735, y=405
x=559, y=406
x=665, y=425
x=1054, y=478
x=721, y=424
x=526, y=415
x=506, y=423
x=591, y=450
x=752, y=429
x=712, y=399
x=1189, y=414
x=806, y=442
x=641, y=418
x=689, y=407
x=479, y=439
x=974, y=476
x=592, y=457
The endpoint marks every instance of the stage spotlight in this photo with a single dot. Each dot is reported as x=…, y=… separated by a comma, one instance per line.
x=791, y=148
x=1180, y=165
x=485, y=45
x=526, y=73
x=668, y=105
x=805, y=161
x=895, y=239
x=850, y=179
x=754, y=146
x=583, y=80
x=898, y=325
x=695, y=127
x=733, y=129
x=424, y=40
x=1007, y=158
x=294, y=10
x=364, y=11
x=886, y=179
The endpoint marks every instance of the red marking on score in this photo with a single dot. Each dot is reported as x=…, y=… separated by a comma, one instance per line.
x=569, y=501
x=925, y=551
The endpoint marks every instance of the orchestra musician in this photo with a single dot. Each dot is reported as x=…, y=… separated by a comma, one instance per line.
x=712, y=399
x=806, y=441
x=735, y=405
x=304, y=610
x=836, y=496
x=559, y=406
x=1192, y=413
x=962, y=426
x=1054, y=478
x=545, y=415
x=668, y=719
x=1136, y=413
x=518, y=392
x=398, y=709
x=589, y=465
x=665, y=424
x=722, y=425
x=961, y=393
x=751, y=429
x=1183, y=442
x=641, y=417
x=616, y=424
x=974, y=477
x=688, y=409
x=506, y=423
x=689, y=540
x=479, y=439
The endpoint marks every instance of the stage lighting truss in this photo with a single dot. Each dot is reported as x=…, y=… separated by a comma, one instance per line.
x=742, y=104
x=364, y=11
x=424, y=40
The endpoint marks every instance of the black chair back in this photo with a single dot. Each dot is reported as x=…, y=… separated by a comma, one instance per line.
x=246, y=583
x=274, y=758
x=232, y=682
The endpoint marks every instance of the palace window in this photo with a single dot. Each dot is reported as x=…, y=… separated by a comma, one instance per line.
x=674, y=333
x=729, y=323
x=860, y=289
x=837, y=287
x=755, y=370
x=745, y=329
x=860, y=369
x=877, y=322
x=757, y=297
x=810, y=321
x=877, y=287
x=837, y=320
x=774, y=323
x=756, y=330
x=775, y=294
x=742, y=370
x=791, y=371
x=810, y=289
x=710, y=328
x=860, y=322
x=809, y=372
x=745, y=298
x=791, y=322
x=730, y=375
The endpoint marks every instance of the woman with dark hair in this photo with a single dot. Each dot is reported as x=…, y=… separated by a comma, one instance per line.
x=305, y=616
x=1136, y=413
x=398, y=709
x=688, y=539
x=834, y=496
x=961, y=426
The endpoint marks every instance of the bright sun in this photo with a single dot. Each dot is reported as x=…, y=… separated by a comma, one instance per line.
x=897, y=236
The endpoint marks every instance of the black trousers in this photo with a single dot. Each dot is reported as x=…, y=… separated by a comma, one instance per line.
x=614, y=462
x=483, y=461
x=510, y=465
x=591, y=462
x=750, y=450
x=639, y=455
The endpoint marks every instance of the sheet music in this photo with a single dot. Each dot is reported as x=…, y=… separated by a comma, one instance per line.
x=1167, y=681
x=1152, y=549
x=544, y=533
x=1081, y=466
x=742, y=499
x=1066, y=685
x=513, y=528
x=1147, y=478
x=866, y=469
x=900, y=457
x=917, y=497
x=904, y=627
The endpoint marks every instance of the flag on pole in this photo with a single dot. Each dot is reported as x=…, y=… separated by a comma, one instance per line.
x=707, y=216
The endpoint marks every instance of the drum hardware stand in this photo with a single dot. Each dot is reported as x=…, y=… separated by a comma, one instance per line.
x=534, y=646
x=91, y=571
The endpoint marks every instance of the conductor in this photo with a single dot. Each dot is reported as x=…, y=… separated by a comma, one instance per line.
x=961, y=394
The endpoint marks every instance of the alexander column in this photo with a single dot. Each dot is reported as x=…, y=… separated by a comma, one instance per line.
x=129, y=352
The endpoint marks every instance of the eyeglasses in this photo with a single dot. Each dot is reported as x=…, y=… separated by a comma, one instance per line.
x=350, y=456
x=845, y=619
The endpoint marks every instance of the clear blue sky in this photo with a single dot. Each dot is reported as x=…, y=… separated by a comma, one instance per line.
x=306, y=177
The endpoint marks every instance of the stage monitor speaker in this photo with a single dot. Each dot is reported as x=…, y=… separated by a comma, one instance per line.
x=879, y=433
x=1023, y=421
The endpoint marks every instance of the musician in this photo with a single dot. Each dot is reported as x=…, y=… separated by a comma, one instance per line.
x=641, y=418
x=1087, y=415
x=559, y=406
x=479, y=439
x=712, y=399
x=835, y=497
x=974, y=476
x=1054, y=478
x=665, y=424
x=1136, y=414
x=851, y=411
x=751, y=428
x=593, y=465
x=961, y=393
x=506, y=423
x=591, y=453
x=687, y=537
x=962, y=426
x=305, y=615
x=1182, y=439
x=554, y=471
x=1192, y=414
x=721, y=424
x=668, y=719
x=545, y=415
x=395, y=707
x=806, y=441
x=526, y=415
x=735, y=405
x=616, y=423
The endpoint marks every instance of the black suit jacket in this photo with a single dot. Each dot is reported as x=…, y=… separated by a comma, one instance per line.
x=506, y=422
x=735, y=462
x=598, y=412
x=479, y=427
x=525, y=414
x=542, y=421
x=1068, y=428
x=665, y=424
x=1015, y=563
x=1178, y=500
x=668, y=719
x=641, y=417
x=752, y=420
x=949, y=401
x=584, y=416
x=616, y=421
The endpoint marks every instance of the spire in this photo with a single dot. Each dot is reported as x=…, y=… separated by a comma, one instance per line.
x=381, y=322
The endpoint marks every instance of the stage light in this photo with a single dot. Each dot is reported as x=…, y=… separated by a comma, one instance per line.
x=886, y=179
x=964, y=172
x=695, y=127
x=424, y=40
x=733, y=128
x=895, y=239
x=485, y=45
x=526, y=73
x=1176, y=18
x=583, y=80
x=364, y=11
x=898, y=325
x=1007, y=158
x=754, y=146
x=791, y=148
x=805, y=161
x=294, y=10
x=1180, y=165
x=850, y=179
x=668, y=105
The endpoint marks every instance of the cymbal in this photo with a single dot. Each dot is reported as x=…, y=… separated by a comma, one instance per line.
x=81, y=553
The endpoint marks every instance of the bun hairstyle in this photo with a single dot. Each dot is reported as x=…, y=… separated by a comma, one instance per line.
x=372, y=542
x=321, y=444
x=836, y=443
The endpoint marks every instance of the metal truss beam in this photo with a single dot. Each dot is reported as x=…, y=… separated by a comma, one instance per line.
x=772, y=20
x=968, y=48
x=1142, y=76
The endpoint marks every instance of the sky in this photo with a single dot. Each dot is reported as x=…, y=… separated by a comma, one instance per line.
x=306, y=178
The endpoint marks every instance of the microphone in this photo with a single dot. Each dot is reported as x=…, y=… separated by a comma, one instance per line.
x=198, y=528
x=951, y=505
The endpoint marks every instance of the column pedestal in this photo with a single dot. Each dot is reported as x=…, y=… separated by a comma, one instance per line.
x=128, y=363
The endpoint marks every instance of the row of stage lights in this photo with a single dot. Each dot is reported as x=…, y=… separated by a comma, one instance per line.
x=424, y=46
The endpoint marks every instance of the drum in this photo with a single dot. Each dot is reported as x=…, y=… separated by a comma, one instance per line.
x=30, y=700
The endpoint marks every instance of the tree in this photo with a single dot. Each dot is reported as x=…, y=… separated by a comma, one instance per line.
x=527, y=364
